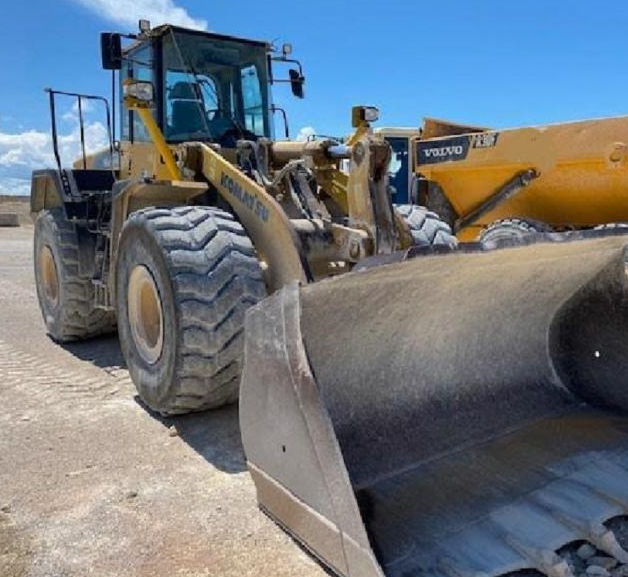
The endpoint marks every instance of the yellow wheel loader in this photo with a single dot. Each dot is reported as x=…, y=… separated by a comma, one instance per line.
x=496, y=184
x=197, y=213
x=405, y=410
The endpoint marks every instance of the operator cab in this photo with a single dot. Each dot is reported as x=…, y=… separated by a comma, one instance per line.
x=401, y=177
x=206, y=87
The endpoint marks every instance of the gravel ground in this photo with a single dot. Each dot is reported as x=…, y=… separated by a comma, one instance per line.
x=91, y=483
x=94, y=484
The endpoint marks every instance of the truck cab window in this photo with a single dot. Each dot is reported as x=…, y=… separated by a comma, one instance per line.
x=398, y=175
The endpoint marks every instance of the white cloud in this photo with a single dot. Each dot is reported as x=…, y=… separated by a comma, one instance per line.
x=23, y=152
x=306, y=132
x=72, y=115
x=128, y=13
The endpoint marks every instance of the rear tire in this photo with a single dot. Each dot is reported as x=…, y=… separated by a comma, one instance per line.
x=66, y=299
x=512, y=229
x=426, y=227
x=185, y=277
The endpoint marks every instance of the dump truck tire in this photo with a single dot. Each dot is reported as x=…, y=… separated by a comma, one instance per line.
x=512, y=228
x=66, y=299
x=186, y=276
x=426, y=227
x=612, y=226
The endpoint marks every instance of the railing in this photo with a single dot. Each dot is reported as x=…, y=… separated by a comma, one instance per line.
x=79, y=99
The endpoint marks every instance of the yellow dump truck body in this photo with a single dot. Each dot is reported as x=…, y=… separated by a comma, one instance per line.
x=581, y=173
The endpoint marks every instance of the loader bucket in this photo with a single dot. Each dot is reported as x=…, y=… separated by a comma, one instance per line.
x=450, y=416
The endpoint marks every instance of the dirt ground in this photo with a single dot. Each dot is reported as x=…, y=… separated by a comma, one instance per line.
x=91, y=483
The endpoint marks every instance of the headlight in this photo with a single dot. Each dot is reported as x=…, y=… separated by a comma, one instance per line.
x=140, y=90
x=371, y=114
x=363, y=114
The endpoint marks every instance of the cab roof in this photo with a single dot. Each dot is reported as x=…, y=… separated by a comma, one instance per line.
x=164, y=29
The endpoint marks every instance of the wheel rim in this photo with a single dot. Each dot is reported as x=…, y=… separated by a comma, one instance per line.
x=145, y=314
x=49, y=276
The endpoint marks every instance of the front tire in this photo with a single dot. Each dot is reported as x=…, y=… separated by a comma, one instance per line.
x=185, y=277
x=66, y=299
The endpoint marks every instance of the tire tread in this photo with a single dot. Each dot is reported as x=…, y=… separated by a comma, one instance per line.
x=215, y=277
x=78, y=318
x=508, y=228
x=426, y=227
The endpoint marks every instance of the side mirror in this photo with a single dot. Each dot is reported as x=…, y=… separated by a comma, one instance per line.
x=111, y=50
x=296, y=82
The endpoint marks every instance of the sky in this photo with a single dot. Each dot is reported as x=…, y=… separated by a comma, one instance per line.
x=496, y=63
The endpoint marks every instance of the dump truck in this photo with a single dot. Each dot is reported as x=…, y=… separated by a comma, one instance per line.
x=408, y=406
x=493, y=184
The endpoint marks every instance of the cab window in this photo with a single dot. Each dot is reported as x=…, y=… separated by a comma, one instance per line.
x=252, y=100
x=139, y=66
x=191, y=104
x=213, y=89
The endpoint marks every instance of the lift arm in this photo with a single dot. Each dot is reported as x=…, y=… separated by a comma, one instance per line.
x=275, y=239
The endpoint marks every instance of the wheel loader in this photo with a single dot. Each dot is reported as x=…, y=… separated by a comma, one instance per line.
x=491, y=184
x=407, y=406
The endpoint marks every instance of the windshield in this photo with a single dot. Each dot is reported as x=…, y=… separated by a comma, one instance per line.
x=215, y=89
